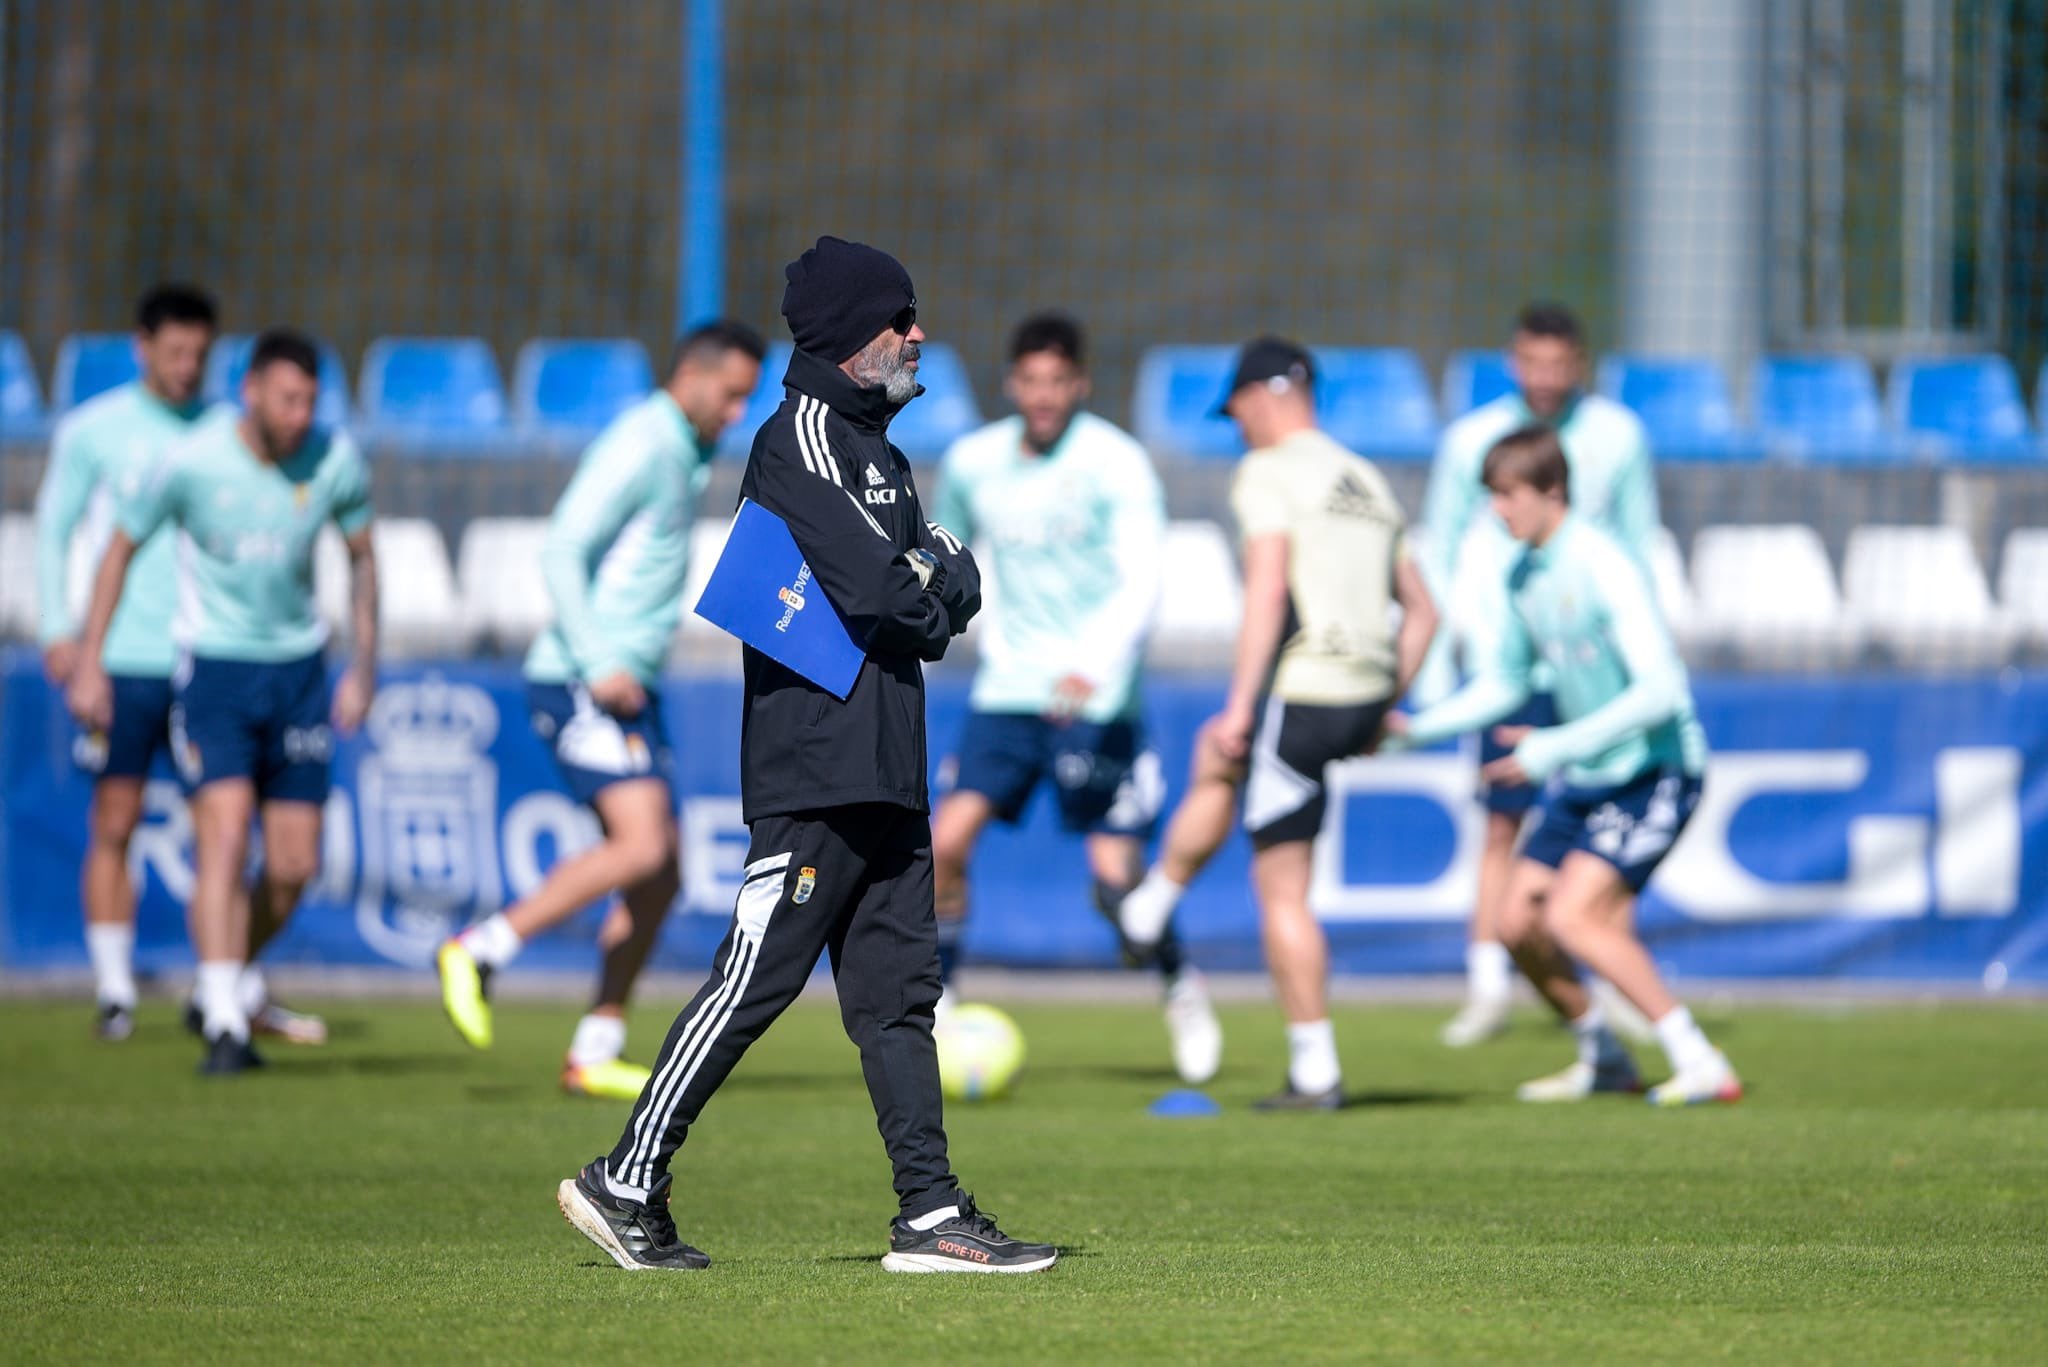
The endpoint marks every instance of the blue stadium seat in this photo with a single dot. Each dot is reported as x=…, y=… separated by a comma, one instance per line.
x=945, y=411
x=1376, y=401
x=1820, y=407
x=1961, y=407
x=1472, y=378
x=578, y=386
x=739, y=438
x=90, y=363
x=1177, y=387
x=1684, y=404
x=21, y=398
x=433, y=390
x=229, y=361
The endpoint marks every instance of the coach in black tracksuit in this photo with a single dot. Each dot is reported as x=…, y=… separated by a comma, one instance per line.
x=834, y=792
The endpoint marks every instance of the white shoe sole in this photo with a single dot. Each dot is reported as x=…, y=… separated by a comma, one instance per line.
x=591, y=1225
x=936, y=1262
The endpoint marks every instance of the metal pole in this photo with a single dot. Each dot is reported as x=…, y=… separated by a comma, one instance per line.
x=1827, y=128
x=1693, y=234
x=700, y=248
x=1927, y=180
x=1989, y=314
x=1787, y=168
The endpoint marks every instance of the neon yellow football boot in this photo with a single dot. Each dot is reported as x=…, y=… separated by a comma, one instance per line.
x=615, y=1079
x=463, y=993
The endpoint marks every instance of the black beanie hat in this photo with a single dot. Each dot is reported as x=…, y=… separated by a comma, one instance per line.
x=841, y=295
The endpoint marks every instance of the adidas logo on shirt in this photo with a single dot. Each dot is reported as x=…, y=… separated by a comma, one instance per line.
x=1351, y=498
x=875, y=480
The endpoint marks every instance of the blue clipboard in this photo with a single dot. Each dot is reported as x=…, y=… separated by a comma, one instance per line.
x=762, y=591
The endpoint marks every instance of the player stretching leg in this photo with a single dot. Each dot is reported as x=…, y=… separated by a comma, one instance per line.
x=248, y=495
x=1631, y=753
x=101, y=452
x=1614, y=488
x=1073, y=521
x=1318, y=664
x=615, y=560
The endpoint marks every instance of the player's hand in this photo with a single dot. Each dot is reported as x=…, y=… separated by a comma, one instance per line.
x=1069, y=696
x=352, y=701
x=1510, y=736
x=90, y=696
x=619, y=694
x=59, y=659
x=1230, y=732
x=1507, y=771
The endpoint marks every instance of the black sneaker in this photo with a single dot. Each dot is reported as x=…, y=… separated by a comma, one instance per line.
x=113, y=1023
x=1287, y=1099
x=969, y=1242
x=226, y=1055
x=638, y=1235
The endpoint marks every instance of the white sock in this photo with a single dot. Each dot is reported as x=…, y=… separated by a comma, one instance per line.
x=112, y=951
x=932, y=1219
x=1149, y=906
x=620, y=1189
x=1312, y=1057
x=1489, y=970
x=598, y=1039
x=492, y=942
x=1597, y=1043
x=219, y=997
x=1684, y=1043
x=251, y=991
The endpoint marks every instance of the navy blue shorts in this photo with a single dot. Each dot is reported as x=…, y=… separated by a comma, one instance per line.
x=1104, y=779
x=1631, y=826
x=595, y=749
x=254, y=720
x=141, y=730
x=1514, y=799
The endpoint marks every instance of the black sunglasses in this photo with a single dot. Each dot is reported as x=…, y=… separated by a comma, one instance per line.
x=904, y=321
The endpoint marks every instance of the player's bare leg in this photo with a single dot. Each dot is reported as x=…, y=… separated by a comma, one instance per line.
x=638, y=845
x=1489, y=967
x=219, y=916
x=956, y=829
x=1117, y=864
x=594, y=1066
x=1591, y=914
x=1603, y=1065
x=1198, y=828
x=291, y=860
x=1298, y=956
x=107, y=892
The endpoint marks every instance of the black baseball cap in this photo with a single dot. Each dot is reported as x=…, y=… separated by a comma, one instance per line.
x=1268, y=358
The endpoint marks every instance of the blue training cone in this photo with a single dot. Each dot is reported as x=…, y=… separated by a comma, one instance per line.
x=1185, y=1102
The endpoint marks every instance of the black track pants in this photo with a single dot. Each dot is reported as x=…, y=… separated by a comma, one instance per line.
x=856, y=881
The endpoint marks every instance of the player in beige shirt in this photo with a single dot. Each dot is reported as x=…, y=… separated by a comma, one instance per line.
x=1319, y=661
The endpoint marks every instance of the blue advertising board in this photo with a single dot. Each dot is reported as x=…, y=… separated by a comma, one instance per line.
x=1874, y=828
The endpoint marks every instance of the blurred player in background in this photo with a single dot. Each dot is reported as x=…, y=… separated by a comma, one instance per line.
x=247, y=494
x=615, y=560
x=1073, y=523
x=101, y=454
x=1466, y=549
x=1319, y=662
x=1630, y=752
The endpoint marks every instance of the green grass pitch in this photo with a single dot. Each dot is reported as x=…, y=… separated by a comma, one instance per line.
x=1882, y=1195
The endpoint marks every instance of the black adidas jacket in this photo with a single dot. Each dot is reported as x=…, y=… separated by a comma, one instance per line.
x=824, y=465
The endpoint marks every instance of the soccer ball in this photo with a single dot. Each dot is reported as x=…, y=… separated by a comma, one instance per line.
x=981, y=1051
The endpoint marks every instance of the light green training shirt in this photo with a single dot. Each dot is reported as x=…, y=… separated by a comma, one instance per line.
x=1466, y=549
x=1070, y=545
x=1582, y=605
x=101, y=454
x=618, y=548
x=245, y=531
